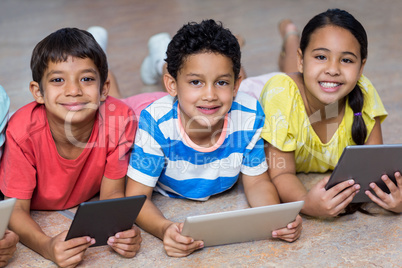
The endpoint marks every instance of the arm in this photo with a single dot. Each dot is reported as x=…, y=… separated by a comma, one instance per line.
x=317, y=201
x=126, y=243
x=63, y=253
x=260, y=191
x=8, y=245
x=152, y=220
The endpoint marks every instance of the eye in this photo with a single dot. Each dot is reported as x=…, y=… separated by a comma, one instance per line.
x=347, y=61
x=195, y=82
x=57, y=80
x=222, y=83
x=87, y=79
x=321, y=57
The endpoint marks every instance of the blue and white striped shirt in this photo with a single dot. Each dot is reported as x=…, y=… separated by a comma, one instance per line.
x=161, y=158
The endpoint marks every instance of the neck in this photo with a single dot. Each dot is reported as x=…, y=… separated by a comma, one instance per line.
x=70, y=139
x=205, y=137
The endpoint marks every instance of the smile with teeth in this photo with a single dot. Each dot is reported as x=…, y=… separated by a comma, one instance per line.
x=207, y=110
x=329, y=84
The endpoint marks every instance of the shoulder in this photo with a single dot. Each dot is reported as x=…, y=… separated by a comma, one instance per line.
x=115, y=106
x=161, y=108
x=373, y=105
x=280, y=91
x=27, y=120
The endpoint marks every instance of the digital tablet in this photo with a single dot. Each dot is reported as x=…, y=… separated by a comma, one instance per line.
x=104, y=218
x=242, y=225
x=6, y=208
x=366, y=164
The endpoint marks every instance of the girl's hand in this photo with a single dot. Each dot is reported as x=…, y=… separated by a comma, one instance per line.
x=177, y=245
x=321, y=202
x=126, y=243
x=291, y=232
x=391, y=201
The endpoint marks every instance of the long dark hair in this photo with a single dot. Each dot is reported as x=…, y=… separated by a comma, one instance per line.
x=345, y=20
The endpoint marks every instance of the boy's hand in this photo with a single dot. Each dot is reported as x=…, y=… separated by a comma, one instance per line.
x=321, y=202
x=291, y=232
x=126, y=243
x=8, y=245
x=391, y=201
x=177, y=245
x=68, y=253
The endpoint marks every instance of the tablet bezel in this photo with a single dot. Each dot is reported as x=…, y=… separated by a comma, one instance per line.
x=366, y=164
x=104, y=218
x=6, y=209
x=242, y=225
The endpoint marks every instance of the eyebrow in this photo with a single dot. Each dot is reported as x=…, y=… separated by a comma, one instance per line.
x=327, y=50
x=89, y=70
x=228, y=75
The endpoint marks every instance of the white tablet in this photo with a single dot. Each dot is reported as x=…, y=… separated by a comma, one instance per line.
x=240, y=225
x=6, y=208
x=366, y=164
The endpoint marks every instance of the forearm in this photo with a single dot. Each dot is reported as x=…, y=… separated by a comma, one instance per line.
x=289, y=187
x=112, y=188
x=152, y=220
x=29, y=232
x=260, y=191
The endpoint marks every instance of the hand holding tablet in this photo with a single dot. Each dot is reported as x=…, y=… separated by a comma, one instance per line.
x=103, y=219
x=366, y=164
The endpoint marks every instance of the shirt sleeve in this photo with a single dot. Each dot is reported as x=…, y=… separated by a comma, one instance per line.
x=121, y=138
x=4, y=107
x=147, y=159
x=17, y=170
x=254, y=162
x=373, y=106
x=278, y=100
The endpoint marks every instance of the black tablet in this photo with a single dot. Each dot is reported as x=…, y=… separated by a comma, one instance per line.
x=366, y=164
x=104, y=218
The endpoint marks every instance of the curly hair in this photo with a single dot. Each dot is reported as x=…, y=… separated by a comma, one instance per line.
x=207, y=36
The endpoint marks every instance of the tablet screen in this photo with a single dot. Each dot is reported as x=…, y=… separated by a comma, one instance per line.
x=104, y=218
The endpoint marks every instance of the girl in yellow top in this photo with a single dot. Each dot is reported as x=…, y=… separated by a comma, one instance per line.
x=313, y=114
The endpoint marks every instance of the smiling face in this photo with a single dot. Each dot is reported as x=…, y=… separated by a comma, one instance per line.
x=331, y=65
x=71, y=91
x=205, y=88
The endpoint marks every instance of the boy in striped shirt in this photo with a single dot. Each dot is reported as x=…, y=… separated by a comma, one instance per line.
x=194, y=142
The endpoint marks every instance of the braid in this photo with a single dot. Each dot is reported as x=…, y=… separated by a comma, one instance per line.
x=359, y=129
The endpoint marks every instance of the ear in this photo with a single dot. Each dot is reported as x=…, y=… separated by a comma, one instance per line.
x=362, y=67
x=35, y=91
x=300, y=60
x=105, y=89
x=237, y=86
x=170, y=84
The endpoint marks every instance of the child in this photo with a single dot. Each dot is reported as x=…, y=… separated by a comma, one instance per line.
x=313, y=114
x=68, y=145
x=8, y=244
x=194, y=142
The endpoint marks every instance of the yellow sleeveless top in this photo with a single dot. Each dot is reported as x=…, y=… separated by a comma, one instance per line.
x=288, y=127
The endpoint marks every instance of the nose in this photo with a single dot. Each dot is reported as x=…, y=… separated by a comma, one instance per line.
x=72, y=88
x=333, y=68
x=209, y=93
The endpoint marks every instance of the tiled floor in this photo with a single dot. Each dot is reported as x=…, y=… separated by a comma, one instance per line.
x=357, y=240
